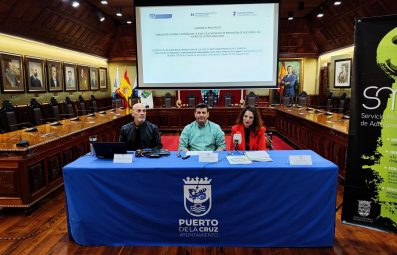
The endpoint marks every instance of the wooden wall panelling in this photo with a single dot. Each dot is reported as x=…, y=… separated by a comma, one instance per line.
x=336, y=29
x=56, y=22
x=36, y=177
x=296, y=40
x=123, y=47
x=54, y=167
x=8, y=185
x=68, y=156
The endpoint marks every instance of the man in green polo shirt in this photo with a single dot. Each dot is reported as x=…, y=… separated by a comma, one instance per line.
x=202, y=134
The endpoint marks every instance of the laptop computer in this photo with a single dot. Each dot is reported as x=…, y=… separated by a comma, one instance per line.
x=108, y=149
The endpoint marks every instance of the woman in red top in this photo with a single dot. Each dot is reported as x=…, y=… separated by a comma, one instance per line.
x=250, y=126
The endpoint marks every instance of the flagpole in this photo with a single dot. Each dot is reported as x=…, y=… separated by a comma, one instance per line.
x=179, y=102
x=242, y=98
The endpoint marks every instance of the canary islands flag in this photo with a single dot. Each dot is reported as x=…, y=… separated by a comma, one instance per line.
x=116, y=85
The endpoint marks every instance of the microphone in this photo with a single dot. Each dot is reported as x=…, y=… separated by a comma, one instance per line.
x=55, y=123
x=77, y=118
x=22, y=143
x=236, y=140
x=91, y=115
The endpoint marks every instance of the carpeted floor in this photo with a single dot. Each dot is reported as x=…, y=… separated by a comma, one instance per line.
x=171, y=141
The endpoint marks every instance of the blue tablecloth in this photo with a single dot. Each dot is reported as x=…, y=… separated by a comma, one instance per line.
x=161, y=202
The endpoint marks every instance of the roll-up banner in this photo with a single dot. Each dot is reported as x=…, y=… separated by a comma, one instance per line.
x=370, y=194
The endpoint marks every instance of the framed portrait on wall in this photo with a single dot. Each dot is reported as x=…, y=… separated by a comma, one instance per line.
x=54, y=74
x=290, y=77
x=342, y=74
x=12, y=78
x=36, y=78
x=94, y=82
x=103, y=78
x=83, y=77
x=70, y=76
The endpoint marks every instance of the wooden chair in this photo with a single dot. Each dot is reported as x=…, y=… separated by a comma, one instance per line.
x=94, y=106
x=228, y=99
x=341, y=106
x=286, y=101
x=69, y=108
x=302, y=101
x=36, y=116
x=251, y=99
x=117, y=103
x=167, y=100
x=81, y=106
x=8, y=117
x=329, y=104
x=191, y=100
x=54, y=108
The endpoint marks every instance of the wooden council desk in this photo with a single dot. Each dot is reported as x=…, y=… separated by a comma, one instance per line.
x=27, y=174
x=309, y=129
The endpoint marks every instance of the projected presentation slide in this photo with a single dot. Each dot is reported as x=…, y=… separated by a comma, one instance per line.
x=207, y=46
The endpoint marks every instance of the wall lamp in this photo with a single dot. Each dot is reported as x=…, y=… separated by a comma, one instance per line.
x=118, y=12
x=290, y=15
x=100, y=16
x=75, y=3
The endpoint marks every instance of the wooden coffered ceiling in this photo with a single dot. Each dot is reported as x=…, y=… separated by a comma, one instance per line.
x=57, y=22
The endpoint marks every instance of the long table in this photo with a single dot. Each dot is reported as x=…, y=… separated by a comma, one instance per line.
x=171, y=201
x=304, y=128
x=29, y=173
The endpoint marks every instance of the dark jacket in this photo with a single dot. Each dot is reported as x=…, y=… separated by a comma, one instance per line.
x=149, y=136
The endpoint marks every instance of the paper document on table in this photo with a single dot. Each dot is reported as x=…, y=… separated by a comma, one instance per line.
x=195, y=153
x=236, y=160
x=300, y=160
x=258, y=156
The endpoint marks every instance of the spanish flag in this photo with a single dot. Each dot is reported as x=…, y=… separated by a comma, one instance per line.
x=281, y=73
x=125, y=88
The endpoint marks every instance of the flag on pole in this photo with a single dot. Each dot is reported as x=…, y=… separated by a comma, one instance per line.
x=116, y=85
x=125, y=88
x=281, y=73
x=134, y=89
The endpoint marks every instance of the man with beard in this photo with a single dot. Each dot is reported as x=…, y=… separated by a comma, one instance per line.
x=35, y=82
x=202, y=134
x=140, y=134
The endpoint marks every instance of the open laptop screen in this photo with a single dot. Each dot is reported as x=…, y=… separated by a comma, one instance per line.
x=108, y=149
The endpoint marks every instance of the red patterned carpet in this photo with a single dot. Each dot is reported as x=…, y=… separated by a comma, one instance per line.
x=171, y=142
